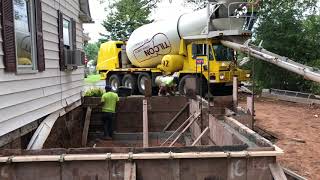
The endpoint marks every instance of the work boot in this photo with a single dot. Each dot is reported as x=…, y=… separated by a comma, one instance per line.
x=107, y=138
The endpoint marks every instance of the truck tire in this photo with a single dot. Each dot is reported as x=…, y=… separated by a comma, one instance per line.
x=221, y=90
x=115, y=82
x=141, y=78
x=130, y=81
x=182, y=83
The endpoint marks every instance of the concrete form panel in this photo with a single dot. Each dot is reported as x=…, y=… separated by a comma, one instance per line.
x=258, y=168
x=129, y=116
x=206, y=169
x=253, y=168
x=237, y=169
x=31, y=171
x=85, y=170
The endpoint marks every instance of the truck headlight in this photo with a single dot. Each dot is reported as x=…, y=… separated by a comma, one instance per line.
x=221, y=76
x=248, y=75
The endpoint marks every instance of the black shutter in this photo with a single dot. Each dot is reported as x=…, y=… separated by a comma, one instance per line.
x=61, y=44
x=8, y=36
x=74, y=34
x=83, y=58
x=39, y=36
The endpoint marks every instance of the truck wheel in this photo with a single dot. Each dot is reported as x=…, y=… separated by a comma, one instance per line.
x=141, y=81
x=182, y=84
x=130, y=81
x=115, y=82
x=183, y=89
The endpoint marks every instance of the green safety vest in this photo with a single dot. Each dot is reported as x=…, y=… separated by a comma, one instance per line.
x=168, y=81
x=165, y=81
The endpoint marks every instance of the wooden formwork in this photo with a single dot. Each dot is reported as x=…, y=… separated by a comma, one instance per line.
x=228, y=150
x=253, y=168
x=129, y=114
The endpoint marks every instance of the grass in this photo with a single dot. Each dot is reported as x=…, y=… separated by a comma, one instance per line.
x=92, y=78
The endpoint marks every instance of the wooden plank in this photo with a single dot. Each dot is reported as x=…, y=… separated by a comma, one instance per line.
x=250, y=107
x=193, y=119
x=175, y=166
x=179, y=128
x=130, y=171
x=293, y=174
x=200, y=136
x=237, y=169
x=277, y=172
x=86, y=127
x=145, y=123
x=235, y=92
x=148, y=88
x=176, y=117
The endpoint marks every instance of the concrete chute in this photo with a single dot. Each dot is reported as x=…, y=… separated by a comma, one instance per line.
x=307, y=72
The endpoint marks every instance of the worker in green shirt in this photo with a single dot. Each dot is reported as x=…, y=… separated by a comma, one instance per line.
x=167, y=85
x=109, y=102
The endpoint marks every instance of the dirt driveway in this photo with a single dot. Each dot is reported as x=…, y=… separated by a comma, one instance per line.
x=297, y=128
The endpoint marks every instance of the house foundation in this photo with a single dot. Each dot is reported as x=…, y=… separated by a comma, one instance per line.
x=212, y=147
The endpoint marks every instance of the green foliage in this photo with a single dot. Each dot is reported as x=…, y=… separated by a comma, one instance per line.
x=91, y=50
x=125, y=17
x=93, y=78
x=94, y=92
x=289, y=28
x=196, y=4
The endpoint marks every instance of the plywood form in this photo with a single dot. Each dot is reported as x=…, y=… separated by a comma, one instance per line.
x=129, y=114
x=169, y=169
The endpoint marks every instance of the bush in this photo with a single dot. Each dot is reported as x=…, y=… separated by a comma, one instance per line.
x=94, y=92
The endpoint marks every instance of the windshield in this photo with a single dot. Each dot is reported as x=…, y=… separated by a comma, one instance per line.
x=223, y=53
x=201, y=50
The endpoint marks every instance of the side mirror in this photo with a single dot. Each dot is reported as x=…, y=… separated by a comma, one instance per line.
x=194, y=51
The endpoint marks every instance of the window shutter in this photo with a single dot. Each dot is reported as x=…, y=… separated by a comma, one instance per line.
x=8, y=36
x=39, y=36
x=61, y=45
x=74, y=34
x=83, y=58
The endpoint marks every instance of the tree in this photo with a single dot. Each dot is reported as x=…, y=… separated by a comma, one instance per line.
x=196, y=4
x=287, y=28
x=91, y=50
x=125, y=17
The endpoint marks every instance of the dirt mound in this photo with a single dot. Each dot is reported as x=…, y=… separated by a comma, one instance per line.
x=297, y=128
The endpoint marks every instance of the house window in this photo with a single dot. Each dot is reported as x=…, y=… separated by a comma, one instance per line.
x=68, y=54
x=25, y=39
x=67, y=33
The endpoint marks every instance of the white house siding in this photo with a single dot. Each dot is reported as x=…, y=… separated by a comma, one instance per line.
x=25, y=98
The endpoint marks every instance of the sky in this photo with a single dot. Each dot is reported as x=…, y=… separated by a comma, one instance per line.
x=165, y=10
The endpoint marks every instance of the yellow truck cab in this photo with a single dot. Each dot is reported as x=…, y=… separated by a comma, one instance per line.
x=190, y=62
x=108, y=56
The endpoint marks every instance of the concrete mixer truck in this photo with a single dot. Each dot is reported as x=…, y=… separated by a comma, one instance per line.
x=187, y=46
